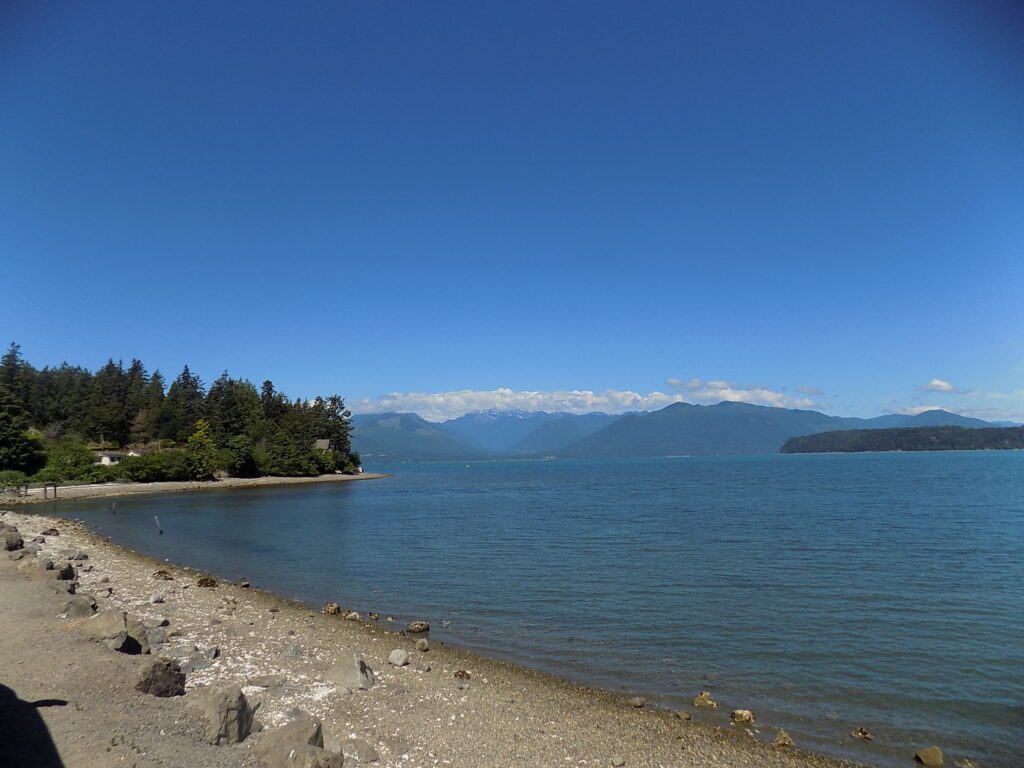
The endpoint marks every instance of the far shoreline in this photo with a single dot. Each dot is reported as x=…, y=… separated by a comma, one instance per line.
x=116, y=490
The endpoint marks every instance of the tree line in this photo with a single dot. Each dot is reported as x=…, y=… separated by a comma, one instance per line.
x=909, y=439
x=53, y=419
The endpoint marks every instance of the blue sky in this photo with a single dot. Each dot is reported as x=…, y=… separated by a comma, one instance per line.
x=468, y=204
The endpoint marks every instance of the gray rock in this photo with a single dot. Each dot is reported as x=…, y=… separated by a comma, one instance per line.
x=32, y=549
x=12, y=540
x=38, y=539
x=417, y=627
x=423, y=645
x=309, y=756
x=80, y=606
x=359, y=750
x=51, y=532
x=19, y=554
x=618, y=762
x=73, y=554
x=109, y=628
x=178, y=651
x=228, y=716
x=156, y=598
x=38, y=568
x=351, y=672
x=929, y=756
x=138, y=633
x=162, y=678
x=156, y=636
x=65, y=572
x=267, y=681
x=639, y=702
x=398, y=658
x=277, y=746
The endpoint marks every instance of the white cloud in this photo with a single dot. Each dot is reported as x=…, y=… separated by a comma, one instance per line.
x=440, y=406
x=913, y=410
x=938, y=385
x=715, y=391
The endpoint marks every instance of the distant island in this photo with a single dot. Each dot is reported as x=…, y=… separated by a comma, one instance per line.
x=945, y=438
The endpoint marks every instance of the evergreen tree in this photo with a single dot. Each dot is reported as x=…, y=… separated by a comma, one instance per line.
x=19, y=450
x=199, y=454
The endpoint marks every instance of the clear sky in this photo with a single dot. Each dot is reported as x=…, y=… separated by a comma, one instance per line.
x=792, y=203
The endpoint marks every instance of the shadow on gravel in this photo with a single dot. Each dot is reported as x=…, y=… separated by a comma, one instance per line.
x=24, y=737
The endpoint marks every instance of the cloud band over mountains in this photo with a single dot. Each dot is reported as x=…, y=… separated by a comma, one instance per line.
x=440, y=406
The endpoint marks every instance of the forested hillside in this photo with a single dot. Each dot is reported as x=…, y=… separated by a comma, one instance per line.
x=945, y=438
x=53, y=419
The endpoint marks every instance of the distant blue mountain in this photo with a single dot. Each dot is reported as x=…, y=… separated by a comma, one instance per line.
x=521, y=432
x=680, y=429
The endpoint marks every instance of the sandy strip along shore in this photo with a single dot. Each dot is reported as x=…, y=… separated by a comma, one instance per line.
x=421, y=714
x=100, y=490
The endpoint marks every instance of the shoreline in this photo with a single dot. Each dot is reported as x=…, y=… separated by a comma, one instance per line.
x=113, y=490
x=506, y=711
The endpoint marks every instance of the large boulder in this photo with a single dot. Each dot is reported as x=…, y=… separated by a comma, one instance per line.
x=12, y=540
x=110, y=628
x=228, y=715
x=162, y=678
x=351, y=672
x=138, y=632
x=277, y=746
x=80, y=606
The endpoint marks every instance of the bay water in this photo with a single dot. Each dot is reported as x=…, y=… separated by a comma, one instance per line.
x=824, y=592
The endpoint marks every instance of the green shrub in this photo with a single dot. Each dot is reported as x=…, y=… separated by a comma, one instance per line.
x=155, y=467
x=10, y=478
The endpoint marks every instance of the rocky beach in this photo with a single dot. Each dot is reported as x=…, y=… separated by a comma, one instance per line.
x=114, y=658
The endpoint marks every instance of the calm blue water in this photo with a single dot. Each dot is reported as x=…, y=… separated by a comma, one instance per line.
x=823, y=592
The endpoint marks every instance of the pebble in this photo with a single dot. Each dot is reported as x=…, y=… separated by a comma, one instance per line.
x=618, y=762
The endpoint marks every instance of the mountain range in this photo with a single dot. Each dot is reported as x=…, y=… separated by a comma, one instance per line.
x=680, y=429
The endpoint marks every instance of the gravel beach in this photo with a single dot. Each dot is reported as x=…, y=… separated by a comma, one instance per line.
x=429, y=704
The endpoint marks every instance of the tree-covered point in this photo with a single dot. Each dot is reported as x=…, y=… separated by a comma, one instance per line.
x=911, y=439
x=52, y=419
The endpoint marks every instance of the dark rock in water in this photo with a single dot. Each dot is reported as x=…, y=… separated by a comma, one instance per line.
x=332, y=609
x=361, y=751
x=417, y=627
x=862, y=733
x=80, y=606
x=929, y=756
x=162, y=678
x=243, y=583
x=352, y=672
x=228, y=716
x=639, y=702
x=206, y=581
x=12, y=540
x=783, y=740
x=276, y=746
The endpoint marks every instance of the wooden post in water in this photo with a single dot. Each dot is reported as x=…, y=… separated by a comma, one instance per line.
x=160, y=531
